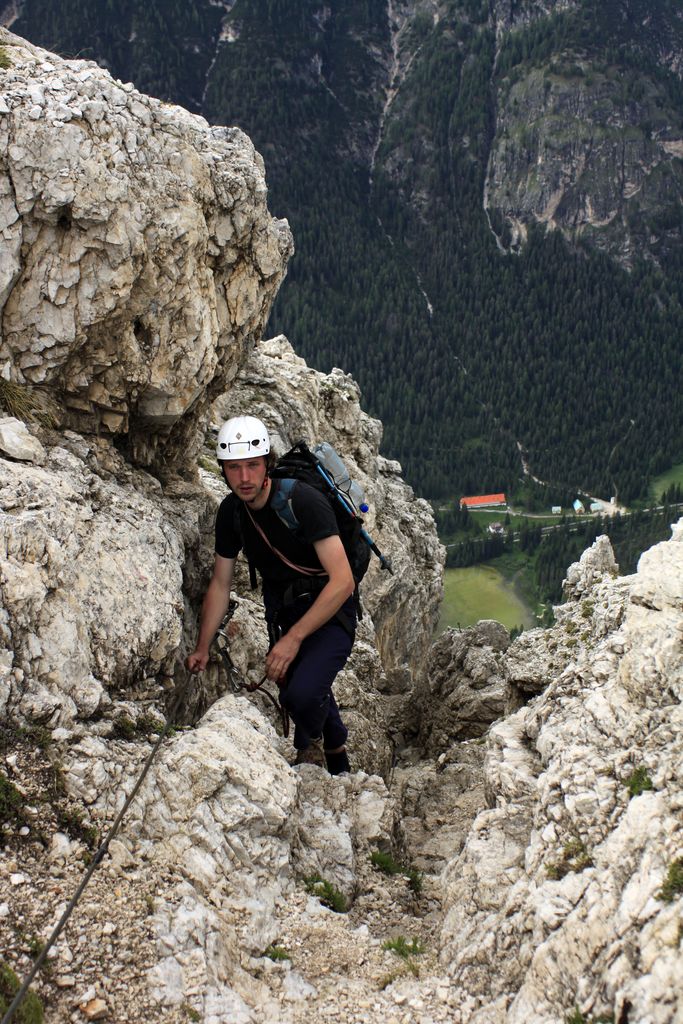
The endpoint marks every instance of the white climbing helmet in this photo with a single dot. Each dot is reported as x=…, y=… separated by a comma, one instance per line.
x=242, y=437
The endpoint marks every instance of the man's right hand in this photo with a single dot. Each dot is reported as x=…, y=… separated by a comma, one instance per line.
x=197, y=661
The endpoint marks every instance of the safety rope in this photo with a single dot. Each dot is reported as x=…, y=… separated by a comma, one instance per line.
x=97, y=858
x=237, y=682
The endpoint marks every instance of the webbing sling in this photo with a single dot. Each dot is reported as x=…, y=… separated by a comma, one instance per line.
x=304, y=570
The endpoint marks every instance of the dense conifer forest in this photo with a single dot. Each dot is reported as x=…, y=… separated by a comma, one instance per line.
x=474, y=358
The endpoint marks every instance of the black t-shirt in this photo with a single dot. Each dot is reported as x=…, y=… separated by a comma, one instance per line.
x=235, y=531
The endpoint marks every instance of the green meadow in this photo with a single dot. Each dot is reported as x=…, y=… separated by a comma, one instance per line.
x=662, y=482
x=482, y=592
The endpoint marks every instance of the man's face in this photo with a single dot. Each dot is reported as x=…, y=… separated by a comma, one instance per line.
x=245, y=477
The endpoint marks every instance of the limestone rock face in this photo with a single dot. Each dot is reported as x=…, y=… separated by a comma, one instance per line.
x=439, y=800
x=101, y=566
x=567, y=866
x=467, y=686
x=139, y=261
x=91, y=583
x=236, y=834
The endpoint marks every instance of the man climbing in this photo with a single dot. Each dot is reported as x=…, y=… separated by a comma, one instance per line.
x=308, y=589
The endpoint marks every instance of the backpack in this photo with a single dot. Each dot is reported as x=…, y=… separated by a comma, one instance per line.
x=300, y=463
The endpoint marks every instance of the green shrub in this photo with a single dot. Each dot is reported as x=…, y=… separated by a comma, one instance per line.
x=326, y=893
x=11, y=801
x=575, y=857
x=638, y=781
x=673, y=883
x=5, y=62
x=30, y=1010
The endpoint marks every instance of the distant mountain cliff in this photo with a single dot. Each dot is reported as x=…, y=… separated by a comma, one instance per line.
x=486, y=202
x=588, y=129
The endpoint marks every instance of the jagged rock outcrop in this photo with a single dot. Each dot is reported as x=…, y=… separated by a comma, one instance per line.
x=560, y=898
x=236, y=836
x=91, y=581
x=466, y=681
x=139, y=261
x=100, y=562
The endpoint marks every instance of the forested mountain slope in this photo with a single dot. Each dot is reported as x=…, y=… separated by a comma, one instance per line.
x=486, y=201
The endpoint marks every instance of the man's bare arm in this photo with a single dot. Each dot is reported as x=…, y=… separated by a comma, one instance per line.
x=214, y=607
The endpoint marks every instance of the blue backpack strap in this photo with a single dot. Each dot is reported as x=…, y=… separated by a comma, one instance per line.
x=281, y=503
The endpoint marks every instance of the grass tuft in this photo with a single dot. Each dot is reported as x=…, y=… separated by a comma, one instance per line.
x=210, y=465
x=124, y=728
x=575, y=857
x=408, y=967
x=29, y=403
x=71, y=821
x=575, y=1017
x=385, y=863
x=415, y=879
x=11, y=802
x=5, y=62
x=275, y=952
x=328, y=895
x=638, y=781
x=401, y=947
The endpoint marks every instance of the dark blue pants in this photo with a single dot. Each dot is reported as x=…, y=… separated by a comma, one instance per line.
x=307, y=694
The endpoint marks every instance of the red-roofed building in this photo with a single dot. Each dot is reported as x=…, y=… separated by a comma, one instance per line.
x=483, y=501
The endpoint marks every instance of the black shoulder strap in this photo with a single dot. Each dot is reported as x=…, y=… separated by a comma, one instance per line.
x=239, y=528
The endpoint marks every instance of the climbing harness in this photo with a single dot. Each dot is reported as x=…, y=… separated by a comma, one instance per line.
x=237, y=683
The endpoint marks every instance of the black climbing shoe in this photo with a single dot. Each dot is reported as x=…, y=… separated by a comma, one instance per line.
x=337, y=762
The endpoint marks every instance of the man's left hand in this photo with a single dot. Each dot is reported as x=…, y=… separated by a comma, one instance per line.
x=280, y=657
